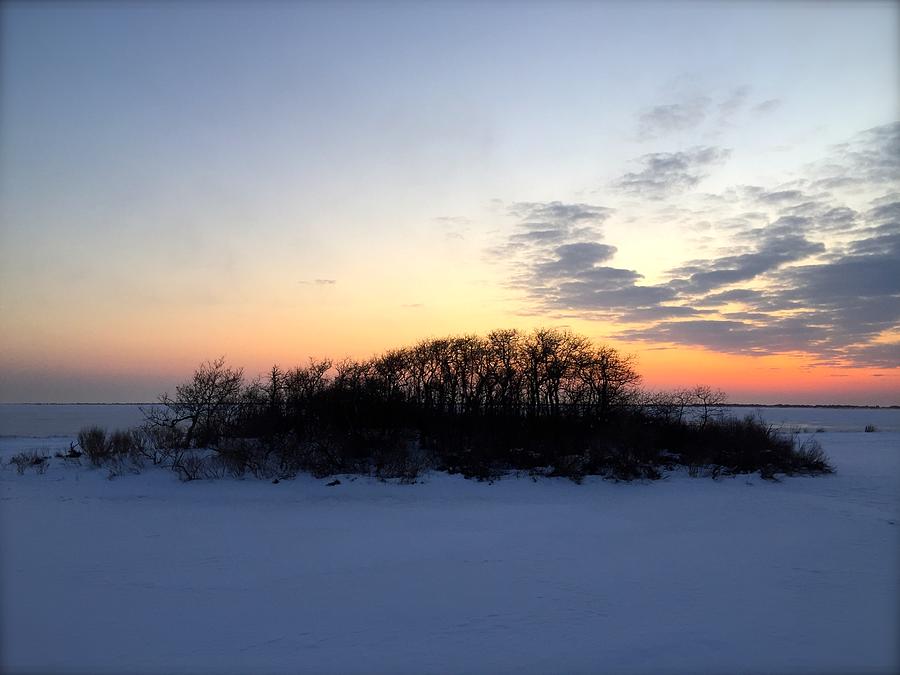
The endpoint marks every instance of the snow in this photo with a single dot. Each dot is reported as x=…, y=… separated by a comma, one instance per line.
x=52, y=419
x=824, y=419
x=147, y=574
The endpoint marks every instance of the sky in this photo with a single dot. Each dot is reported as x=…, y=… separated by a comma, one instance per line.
x=711, y=187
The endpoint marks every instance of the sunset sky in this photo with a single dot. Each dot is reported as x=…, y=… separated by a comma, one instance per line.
x=713, y=187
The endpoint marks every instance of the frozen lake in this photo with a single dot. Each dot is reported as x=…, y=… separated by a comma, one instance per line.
x=65, y=420
x=147, y=574
x=824, y=419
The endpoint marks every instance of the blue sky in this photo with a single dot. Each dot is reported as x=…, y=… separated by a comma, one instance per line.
x=206, y=163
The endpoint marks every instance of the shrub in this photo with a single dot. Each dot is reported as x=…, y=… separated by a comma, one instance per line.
x=92, y=441
x=121, y=464
x=119, y=443
x=156, y=444
x=325, y=455
x=235, y=456
x=162, y=438
x=71, y=455
x=870, y=428
x=30, y=459
x=809, y=458
x=124, y=451
x=277, y=457
x=624, y=464
x=573, y=467
x=193, y=466
x=402, y=461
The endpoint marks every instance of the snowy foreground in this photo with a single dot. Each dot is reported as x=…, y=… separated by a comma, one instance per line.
x=147, y=574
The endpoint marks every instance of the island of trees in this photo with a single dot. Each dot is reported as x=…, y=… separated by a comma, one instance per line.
x=548, y=402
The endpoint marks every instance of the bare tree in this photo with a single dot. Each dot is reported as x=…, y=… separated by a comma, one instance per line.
x=606, y=380
x=504, y=374
x=710, y=402
x=207, y=405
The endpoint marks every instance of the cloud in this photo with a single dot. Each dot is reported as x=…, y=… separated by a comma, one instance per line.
x=591, y=295
x=707, y=275
x=874, y=272
x=860, y=290
x=871, y=159
x=876, y=153
x=542, y=226
x=559, y=261
x=767, y=106
x=885, y=213
x=878, y=355
x=558, y=214
x=835, y=307
x=734, y=295
x=667, y=173
x=659, y=312
x=695, y=111
x=741, y=337
x=805, y=270
x=780, y=196
x=673, y=117
x=838, y=218
x=875, y=245
x=733, y=103
x=572, y=259
x=830, y=309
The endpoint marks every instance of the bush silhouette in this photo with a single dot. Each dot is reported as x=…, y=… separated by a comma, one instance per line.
x=547, y=402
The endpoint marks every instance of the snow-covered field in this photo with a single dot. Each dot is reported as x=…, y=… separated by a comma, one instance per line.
x=147, y=574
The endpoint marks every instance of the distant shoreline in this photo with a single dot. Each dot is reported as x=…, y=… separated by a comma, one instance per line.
x=724, y=405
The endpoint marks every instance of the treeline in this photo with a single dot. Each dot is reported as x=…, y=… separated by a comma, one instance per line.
x=547, y=402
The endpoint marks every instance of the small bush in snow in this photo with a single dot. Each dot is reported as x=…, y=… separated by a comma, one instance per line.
x=160, y=440
x=92, y=441
x=121, y=464
x=71, y=455
x=399, y=460
x=870, y=428
x=123, y=451
x=119, y=443
x=195, y=466
x=810, y=458
x=573, y=467
x=30, y=459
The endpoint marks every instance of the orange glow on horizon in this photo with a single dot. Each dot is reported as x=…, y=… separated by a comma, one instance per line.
x=777, y=378
x=256, y=343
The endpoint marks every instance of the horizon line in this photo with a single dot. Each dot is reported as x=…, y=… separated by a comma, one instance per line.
x=893, y=406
